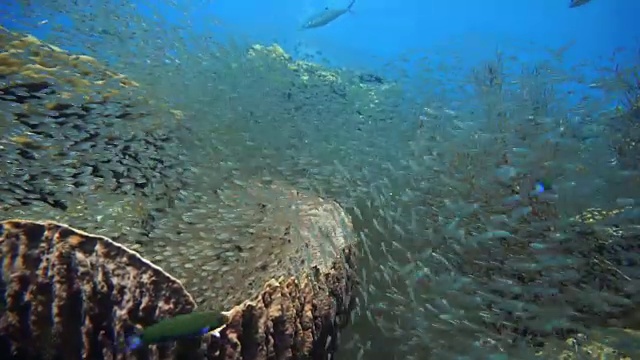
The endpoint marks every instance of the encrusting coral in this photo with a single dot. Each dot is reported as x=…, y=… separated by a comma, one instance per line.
x=79, y=296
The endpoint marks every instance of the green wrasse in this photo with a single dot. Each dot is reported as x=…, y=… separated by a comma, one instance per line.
x=178, y=327
x=326, y=16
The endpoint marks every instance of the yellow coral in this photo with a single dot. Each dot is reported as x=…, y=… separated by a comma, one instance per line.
x=23, y=43
x=179, y=115
x=27, y=142
x=594, y=215
x=593, y=350
x=9, y=64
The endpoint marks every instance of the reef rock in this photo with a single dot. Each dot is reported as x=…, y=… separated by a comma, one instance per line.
x=81, y=295
x=302, y=256
x=77, y=295
x=86, y=146
x=75, y=134
x=293, y=317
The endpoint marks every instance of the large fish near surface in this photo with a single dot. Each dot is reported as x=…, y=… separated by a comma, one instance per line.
x=326, y=16
x=576, y=3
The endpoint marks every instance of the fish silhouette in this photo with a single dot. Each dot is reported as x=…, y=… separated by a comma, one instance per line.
x=326, y=16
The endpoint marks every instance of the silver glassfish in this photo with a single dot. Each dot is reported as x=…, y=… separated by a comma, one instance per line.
x=326, y=16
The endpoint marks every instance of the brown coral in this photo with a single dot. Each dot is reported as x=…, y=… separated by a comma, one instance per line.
x=75, y=295
x=291, y=318
x=298, y=316
x=79, y=295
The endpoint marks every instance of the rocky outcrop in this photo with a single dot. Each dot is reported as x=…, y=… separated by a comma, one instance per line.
x=80, y=295
x=77, y=295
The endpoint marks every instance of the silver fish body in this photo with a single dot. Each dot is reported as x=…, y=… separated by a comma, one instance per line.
x=577, y=3
x=326, y=16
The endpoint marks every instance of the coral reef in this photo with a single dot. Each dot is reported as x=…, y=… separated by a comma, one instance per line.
x=291, y=318
x=308, y=71
x=74, y=131
x=77, y=295
x=80, y=295
x=309, y=298
x=225, y=251
x=605, y=343
x=87, y=146
x=341, y=82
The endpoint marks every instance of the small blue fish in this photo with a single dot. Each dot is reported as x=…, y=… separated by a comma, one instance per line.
x=326, y=16
x=577, y=3
x=541, y=186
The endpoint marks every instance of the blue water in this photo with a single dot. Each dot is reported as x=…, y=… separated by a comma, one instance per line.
x=603, y=34
x=388, y=29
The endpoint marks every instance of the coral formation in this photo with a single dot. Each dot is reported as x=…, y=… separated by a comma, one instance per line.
x=85, y=146
x=77, y=295
x=292, y=318
x=606, y=343
x=340, y=82
x=74, y=131
x=82, y=294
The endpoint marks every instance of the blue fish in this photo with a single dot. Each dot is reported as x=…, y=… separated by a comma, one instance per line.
x=541, y=186
x=576, y=3
x=326, y=16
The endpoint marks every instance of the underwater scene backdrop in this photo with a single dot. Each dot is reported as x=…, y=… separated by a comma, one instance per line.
x=332, y=179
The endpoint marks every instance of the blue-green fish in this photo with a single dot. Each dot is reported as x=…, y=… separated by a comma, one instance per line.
x=178, y=327
x=576, y=3
x=542, y=185
x=326, y=16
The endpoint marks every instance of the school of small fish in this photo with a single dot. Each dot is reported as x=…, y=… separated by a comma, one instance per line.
x=495, y=218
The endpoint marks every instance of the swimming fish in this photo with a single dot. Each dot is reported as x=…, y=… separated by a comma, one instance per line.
x=576, y=3
x=541, y=186
x=178, y=327
x=326, y=16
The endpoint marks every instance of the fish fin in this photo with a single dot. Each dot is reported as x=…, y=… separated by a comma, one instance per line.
x=134, y=341
x=204, y=330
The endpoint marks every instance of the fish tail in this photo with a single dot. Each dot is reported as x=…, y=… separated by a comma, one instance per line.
x=133, y=342
x=351, y=5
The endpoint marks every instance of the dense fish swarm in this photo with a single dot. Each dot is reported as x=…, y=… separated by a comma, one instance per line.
x=79, y=143
x=116, y=166
x=627, y=140
x=293, y=318
x=453, y=228
x=501, y=263
x=496, y=208
x=227, y=250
